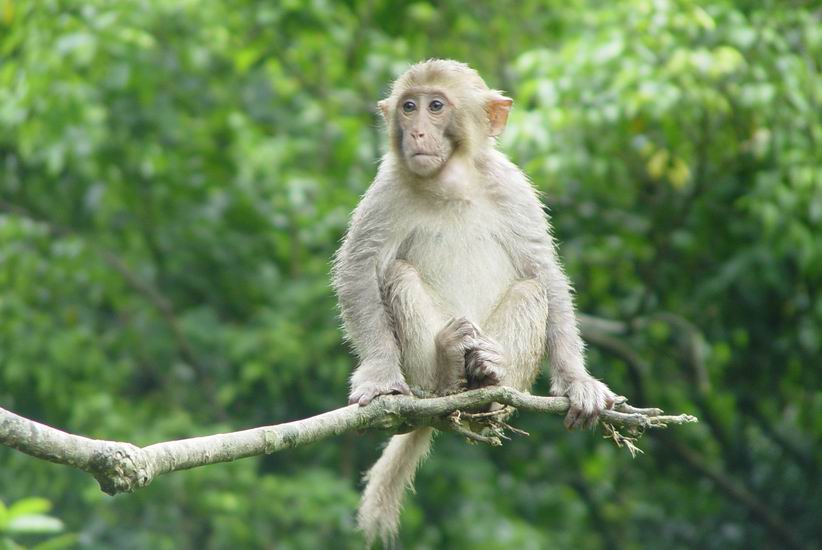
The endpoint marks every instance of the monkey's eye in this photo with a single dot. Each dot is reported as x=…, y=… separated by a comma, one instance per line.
x=436, y=106
x=409, y=106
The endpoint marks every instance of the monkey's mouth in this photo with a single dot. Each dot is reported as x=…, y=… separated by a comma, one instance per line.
x=422, y=163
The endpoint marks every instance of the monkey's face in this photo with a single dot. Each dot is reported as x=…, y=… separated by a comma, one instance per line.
x=423, y=120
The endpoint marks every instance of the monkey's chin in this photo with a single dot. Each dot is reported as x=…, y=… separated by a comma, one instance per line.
x=424, y=165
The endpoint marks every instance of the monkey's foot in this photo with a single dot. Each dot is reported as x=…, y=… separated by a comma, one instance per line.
x=484, y=363
x=364, y=393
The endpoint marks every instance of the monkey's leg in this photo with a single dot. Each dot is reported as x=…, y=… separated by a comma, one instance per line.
x=517, y=327
x=432, y=348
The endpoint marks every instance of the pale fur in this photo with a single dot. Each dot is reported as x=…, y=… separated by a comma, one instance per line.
x=387, y=479
x=472, y=241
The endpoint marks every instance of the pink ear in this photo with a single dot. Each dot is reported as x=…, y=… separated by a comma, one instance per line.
x=383, y=105
x=498, y=109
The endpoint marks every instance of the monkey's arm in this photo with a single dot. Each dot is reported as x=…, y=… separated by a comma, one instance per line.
x=397, y=327
x=358, y=265
x=538, y=313
x=542, y=303
x=566, y=351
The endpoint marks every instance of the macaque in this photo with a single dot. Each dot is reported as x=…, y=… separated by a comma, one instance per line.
x=448, y=277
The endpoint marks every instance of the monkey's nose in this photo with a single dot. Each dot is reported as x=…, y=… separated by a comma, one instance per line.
x=417, y=134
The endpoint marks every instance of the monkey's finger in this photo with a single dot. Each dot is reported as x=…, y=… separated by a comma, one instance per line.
x=456, y=330
x=491, y=379
x=491, y=375
x=590, y=421
x=464, y=332
x=473, y=365
x=575, y=420
x=580, y=421
x=455, y=322
x=465, y=324
x=571, y=418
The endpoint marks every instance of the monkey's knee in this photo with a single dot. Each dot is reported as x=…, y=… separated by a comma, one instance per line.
x=526, y=291
x=398, y=271
x=398, y=280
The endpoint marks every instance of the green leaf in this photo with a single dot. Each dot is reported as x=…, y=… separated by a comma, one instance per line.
x=33, y=505
x=66, y=540
x=35, y=524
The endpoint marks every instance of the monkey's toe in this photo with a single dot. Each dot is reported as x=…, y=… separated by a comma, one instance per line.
x=457, y=332
x=482, y=368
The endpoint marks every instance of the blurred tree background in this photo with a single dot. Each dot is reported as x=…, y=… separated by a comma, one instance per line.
x=176, y=174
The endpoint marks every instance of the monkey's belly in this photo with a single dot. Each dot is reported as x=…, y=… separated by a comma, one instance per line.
x=467, y=275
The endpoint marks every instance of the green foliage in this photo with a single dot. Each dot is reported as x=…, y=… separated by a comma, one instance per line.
x=175, y=176
x=28, y=518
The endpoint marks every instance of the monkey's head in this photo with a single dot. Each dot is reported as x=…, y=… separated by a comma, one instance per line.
x=438, y=109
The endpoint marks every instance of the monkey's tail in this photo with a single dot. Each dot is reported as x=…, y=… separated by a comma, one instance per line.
x=379, y=514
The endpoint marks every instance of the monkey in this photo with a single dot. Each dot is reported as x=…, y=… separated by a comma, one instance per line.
x=448, y=275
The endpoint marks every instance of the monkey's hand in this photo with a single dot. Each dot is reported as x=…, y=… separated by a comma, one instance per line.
x=588, y=398
x=484, y=362
x=365, y=392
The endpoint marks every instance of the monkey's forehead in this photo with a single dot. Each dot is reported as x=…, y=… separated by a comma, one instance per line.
x=443, y=73
x=427, y=90
x=455, y=90
x=441, y=68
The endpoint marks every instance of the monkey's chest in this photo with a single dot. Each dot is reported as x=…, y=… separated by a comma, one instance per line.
x=468, y=271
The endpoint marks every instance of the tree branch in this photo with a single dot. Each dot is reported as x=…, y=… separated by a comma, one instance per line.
x=122, y=467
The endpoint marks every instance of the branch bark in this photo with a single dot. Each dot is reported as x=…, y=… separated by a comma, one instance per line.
x=122, y=467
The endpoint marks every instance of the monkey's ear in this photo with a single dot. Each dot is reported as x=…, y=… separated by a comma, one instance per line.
x=383, y=105
x=498, y=108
